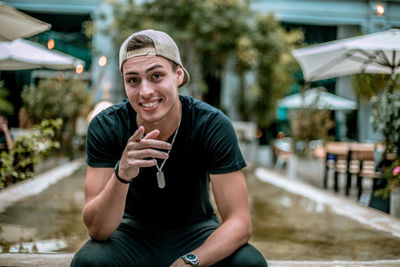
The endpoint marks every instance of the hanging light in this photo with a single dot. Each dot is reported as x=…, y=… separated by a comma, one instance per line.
x=102, y=61
x=50, y=44
x=79, y=68
x=379, y=10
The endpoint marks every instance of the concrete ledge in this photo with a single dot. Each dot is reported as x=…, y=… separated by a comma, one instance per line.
x=386, y=263
x=10, y=259
x=65, y=260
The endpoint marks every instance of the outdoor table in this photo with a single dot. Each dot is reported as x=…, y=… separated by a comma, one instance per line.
x=352, y=159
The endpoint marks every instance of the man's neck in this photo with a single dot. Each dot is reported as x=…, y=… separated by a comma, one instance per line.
x=167, y=126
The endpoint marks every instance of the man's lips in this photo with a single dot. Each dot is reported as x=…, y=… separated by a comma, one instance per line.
x=150, y=104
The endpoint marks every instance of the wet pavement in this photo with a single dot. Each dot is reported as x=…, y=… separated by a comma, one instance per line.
x=289, y=226
x=47, y=222
x=289, y=229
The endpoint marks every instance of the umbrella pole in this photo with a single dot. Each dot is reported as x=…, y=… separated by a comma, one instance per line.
x=393, y=79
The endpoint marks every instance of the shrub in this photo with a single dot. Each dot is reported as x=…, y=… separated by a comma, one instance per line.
x=28, y=150
x=57, y=98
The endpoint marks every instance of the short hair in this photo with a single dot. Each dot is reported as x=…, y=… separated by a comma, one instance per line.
x=142, y=41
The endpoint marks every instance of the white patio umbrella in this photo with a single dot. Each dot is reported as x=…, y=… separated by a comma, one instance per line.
x=99, y=107
x=371, y=53
x=319, y=98
x=22, y=54
x=15, y=24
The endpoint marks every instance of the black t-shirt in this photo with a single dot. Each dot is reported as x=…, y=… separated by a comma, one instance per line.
x=205, y=144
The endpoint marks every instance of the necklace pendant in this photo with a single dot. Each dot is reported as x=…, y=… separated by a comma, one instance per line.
x=160, y=179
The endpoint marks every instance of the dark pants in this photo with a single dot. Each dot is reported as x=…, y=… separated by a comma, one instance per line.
x=133, y=244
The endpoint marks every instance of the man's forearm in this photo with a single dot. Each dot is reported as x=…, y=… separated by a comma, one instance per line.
x=103, y=213
x=225, y=240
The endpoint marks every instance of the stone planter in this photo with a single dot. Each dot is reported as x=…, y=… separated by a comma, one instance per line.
x=395, y=202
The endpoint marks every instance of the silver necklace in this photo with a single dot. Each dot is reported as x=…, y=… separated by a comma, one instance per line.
x=160, y=173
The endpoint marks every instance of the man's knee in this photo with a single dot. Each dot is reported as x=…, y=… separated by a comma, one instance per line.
x=247, y=256
x=83, y=259
x=92, y=254
x=109, y=253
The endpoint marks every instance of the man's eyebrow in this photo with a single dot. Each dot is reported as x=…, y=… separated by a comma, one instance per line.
x=154, y=67
x=149, y=69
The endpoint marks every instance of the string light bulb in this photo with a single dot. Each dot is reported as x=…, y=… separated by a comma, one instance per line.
x=50, y=44
x=102, y=61
x=79, y=68
x=379, y=9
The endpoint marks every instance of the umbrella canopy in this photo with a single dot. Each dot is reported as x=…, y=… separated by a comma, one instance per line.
x=15, y=24
x=321, y=100
x=371, y=53
x=99, y=107
x=22, y=54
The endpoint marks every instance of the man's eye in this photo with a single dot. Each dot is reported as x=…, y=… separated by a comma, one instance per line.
x=157, y=75
x=133, y=80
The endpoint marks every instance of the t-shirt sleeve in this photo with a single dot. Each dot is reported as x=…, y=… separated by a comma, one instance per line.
x=222, y=148
x=99, y=145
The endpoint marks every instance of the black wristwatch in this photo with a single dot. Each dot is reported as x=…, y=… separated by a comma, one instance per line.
x=119, y=178
x=191, y=259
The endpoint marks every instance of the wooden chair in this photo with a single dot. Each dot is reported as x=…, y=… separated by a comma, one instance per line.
x=361, y=164
x=336, y=159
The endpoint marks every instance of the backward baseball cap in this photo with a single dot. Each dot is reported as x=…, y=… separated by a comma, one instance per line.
x=164, y=46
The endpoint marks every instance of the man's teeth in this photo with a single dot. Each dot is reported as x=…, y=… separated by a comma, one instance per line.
x=150, y=104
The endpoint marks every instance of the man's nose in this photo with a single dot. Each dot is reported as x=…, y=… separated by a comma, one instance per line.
x=146, y=89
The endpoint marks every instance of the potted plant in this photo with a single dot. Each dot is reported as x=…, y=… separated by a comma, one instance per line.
x=386, y=120
x=392, y=188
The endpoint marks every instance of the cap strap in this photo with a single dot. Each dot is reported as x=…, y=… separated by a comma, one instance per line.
x=141, y=52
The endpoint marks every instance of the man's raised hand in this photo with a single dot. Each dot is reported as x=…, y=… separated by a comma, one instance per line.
x=141, y=152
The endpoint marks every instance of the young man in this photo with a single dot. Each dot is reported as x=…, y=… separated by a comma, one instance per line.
x=150, y=160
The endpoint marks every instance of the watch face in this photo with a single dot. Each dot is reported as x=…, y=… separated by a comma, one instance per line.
x=191, y=257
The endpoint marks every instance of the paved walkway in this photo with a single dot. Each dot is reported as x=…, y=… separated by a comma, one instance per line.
x=357, y=212
x=338, y=204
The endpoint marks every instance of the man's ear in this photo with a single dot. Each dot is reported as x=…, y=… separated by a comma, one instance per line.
x=180, y=74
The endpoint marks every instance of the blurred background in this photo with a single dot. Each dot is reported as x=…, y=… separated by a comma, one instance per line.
x=240, y=55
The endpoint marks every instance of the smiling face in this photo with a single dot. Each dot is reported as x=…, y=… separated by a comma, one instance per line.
x=151, y=85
